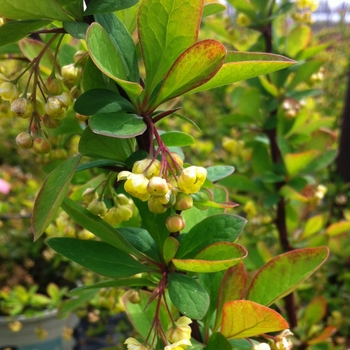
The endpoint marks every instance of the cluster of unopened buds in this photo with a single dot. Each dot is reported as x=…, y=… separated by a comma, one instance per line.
x=121, y=211
x=279, y=342
x=177, y=336
x=148, y=183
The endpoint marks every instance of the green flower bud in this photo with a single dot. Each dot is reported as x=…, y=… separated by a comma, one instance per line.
x=8, y=91
x=155, y=206
x=89, y=195
x=175, y=223
x=24, y=140
x=183, y=201
x=54, y=108
x=53, y=86
x=71, y=75
x=21, y=107
x=41, y=145
x=80, y=57
x=97, y=207
x=50, y=122
x=181, y=331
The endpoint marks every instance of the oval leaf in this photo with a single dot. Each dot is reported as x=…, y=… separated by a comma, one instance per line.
x=289, y=269
x=194, y=67
x=104, y=6
x=295, y=162
x=218, y=172
x=216, y=257
x=188, y=296
x=51, y=195
x=119, y=125
x=98, y=257
x=107, y=58
x=177, y=139
x=338, y=228
x=245, y=65
x=163, y=37
x=244, y=318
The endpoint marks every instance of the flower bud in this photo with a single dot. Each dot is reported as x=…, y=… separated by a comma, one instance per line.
x=175, y=223
x=134, y=297
x=41, y=145
x=21, y=107
x=75, y=92
x=8, y=91
x=175, y=161
x=157, y=186
x=53, y=86
x=123, y=199
x=24, y=140
x=54, y=108
x=125, y=212
x=183, y=201
x=152, y=165
x=133, y=344
x=191, y=179
x=155, y=206
x=261, y=346
x=136, y=185
x=64, y=99
x=97, y=207
x=181, y=331
x=89, y=195
x=50, y=122
x=80, y=57
x=3, y=78
x=70, y=75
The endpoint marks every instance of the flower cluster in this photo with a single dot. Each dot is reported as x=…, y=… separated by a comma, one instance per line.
x=147, y=183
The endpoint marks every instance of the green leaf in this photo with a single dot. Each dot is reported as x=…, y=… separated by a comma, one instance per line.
x=141, y=315
x=98, y=227
x=310, y=52
x=166, y=29
x=216, y=228
x=304, y=72
x=298, y=39
x=16, y=30
x=142, y=241
x=219, y=172
x=68, y=306
x=153, y=223
x=289, y=270
x=119, y=125
x=123, y=43
x=233, y=287
x=216, y=257
x=244, y=6
x=123, y=282
x=98, y=257
x=213, y=9
x=240, y=183
x=76, y=29
x=296, y=162
x=177, y=138
x=338, y=228
x=99, y=146
x=51, y=195
x=245, y=65
x=218, y=341
x=35, y=9
x=313, y=225
x=75, y=8
x=104, y=6
x=101, y=101
x=321, y=162
x=315, y=310
x=171, y=246
x=194, y=67
x=107, y=58
x=244, y=318
x=188, y=296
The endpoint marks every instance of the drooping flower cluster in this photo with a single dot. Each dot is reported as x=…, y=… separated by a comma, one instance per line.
x=148, y=183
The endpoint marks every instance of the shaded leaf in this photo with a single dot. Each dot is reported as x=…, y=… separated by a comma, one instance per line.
x=289, y=269
x=324, y=336
x=98, y=257
x=194, y=67
x=188, y=296
x=315, y=310
x=245, y=65
x=219, y=172
x=104, y=6
x=119, y=125
x=244, y=318
x=76, y=29
x=218, y=341
x=51, y=195
x=212, y=9
x=295, y=162
x=16, y=30
x=298, y=39
x=163, y=37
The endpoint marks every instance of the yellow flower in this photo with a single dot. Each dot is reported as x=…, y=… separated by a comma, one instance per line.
x=133, y=344
x=191, y=179
x=261, y=346
x=181, y=331
x=157, y=187
x=152, y=170
x=135, y=184
x=180, y=345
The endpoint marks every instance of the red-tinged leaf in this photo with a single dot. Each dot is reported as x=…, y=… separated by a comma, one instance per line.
x=233, y=287
x=298, y=39
x=216, y=257
x=244, y=318
x=295, y=162
x=285, y=272
x=245, y=65
x=51, y=194
x=194, y=67
x=326, y=334
x=338, y=228
x=166, y=29
x=315, y=311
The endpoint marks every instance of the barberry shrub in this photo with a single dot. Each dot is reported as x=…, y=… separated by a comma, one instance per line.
x=192, y=286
